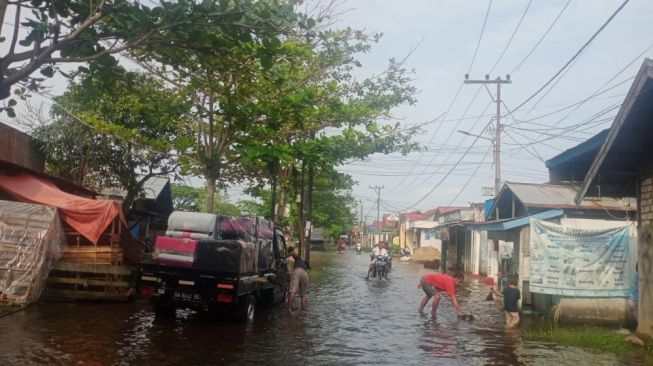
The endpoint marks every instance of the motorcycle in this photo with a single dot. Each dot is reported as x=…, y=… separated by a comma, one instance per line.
x=380, y=267
x=359, y=249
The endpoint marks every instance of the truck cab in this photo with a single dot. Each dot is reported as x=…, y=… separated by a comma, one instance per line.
x=216, y=263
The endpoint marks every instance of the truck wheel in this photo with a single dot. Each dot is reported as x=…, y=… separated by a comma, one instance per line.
x=248, y=310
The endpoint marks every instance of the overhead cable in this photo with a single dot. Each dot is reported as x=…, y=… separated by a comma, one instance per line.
x=572, y=59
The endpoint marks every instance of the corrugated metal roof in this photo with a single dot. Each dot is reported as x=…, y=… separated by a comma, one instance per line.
x=590, y=146
x=562, y=196
x=627, y=146
x=152, y=188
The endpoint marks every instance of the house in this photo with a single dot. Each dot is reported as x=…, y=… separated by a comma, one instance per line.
x=96, y=241
x=622, y=167
x=451, y=231
x=385, y=230
x=149, y=214
x=20, y=149
x=508, y=224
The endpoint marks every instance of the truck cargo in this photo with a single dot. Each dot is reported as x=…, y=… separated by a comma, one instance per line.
x=216, y=263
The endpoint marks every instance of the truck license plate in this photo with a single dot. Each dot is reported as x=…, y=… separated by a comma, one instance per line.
x=186, y=296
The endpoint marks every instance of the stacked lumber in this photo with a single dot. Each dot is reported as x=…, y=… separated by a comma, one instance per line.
x=30, y=243
x=87, y=271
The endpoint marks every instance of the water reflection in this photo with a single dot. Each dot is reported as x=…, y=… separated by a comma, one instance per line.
x=351, y=322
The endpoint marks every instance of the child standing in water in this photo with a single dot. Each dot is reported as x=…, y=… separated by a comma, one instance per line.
x=511, y=296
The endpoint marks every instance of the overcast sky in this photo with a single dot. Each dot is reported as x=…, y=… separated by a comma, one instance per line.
x=443, y=36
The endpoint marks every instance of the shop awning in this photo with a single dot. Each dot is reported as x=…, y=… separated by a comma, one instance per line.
x=508, y=224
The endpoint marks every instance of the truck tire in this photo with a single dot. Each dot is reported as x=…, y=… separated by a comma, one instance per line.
x=248, y=308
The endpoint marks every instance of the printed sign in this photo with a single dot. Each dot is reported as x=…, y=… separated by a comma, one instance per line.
x=392, y=217
x=487, y=191
x=579, y=261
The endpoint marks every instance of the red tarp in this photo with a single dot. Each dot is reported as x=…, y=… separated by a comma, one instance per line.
x=89, y=217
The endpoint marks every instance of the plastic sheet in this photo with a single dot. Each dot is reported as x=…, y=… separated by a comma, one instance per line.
x=193, y=239
x=31, y=241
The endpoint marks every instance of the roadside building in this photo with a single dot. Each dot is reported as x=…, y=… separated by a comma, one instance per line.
x=96, y=242
x=510, y=219
x=624, y=167
x=451, y=231
x=148, y=216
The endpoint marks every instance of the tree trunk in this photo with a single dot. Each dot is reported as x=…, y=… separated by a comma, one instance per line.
x=3, y=10
x=283, y=180
x=210, y=194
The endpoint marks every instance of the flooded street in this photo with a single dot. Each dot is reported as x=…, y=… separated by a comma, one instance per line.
x=351, y=322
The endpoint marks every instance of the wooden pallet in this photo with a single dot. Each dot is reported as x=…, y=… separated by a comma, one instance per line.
x=90, y=281
x=92, y=255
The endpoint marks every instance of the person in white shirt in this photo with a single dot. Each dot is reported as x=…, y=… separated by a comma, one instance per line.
x=379, y=250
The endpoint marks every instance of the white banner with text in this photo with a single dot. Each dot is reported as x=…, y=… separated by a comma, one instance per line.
x=581, y=261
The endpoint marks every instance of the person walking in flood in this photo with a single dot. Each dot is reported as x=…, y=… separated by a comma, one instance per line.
x=511, y=296
x=433, y=284
x=299, y=280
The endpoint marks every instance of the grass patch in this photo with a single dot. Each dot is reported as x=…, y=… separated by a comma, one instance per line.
x=589, y=337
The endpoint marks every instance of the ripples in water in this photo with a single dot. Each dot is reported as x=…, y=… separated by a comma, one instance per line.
x=351, y=322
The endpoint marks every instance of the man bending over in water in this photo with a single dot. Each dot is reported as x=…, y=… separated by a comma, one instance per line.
x=433, y=284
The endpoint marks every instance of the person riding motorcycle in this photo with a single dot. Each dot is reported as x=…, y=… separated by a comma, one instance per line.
x=388, y=259
x=359, y=248
x=377, y=251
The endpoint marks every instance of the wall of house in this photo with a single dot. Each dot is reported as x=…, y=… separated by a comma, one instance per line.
x=18, y=148
x=645, y=256
x=428, y=238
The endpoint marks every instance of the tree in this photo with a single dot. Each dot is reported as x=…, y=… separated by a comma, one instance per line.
x=314, y=88
x=47, y=33
x=126, y=125
x=219, y=71
x=187, y=198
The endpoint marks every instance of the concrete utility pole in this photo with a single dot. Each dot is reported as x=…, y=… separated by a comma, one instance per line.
x=497, y=141
x=361, y=224
x=378, y=189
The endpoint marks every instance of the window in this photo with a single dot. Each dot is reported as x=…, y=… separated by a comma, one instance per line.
x=430, y=235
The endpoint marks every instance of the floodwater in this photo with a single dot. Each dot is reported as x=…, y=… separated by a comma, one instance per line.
x=351, y=321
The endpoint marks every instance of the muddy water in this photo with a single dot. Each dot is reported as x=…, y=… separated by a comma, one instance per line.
x=350, y=322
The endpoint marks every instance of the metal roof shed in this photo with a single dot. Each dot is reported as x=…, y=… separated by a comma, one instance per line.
x=628, y=145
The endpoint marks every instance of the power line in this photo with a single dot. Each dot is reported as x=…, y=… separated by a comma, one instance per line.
x=460, y=88
x=572, y=59
x=449, y=172
x=511, y=37
x=478, y=44
x=453, y=130
x=541, y=38
x=470, y=178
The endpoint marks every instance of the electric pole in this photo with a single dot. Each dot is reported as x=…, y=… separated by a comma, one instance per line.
x=378, y=189
x=361, y=224
x=497, y=141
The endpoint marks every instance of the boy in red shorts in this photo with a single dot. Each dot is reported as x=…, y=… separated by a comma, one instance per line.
x=433, y=284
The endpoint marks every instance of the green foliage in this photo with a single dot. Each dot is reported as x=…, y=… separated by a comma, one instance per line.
x=114, y=128
x=50, y=32
x=395, y=248
x=187, y=198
